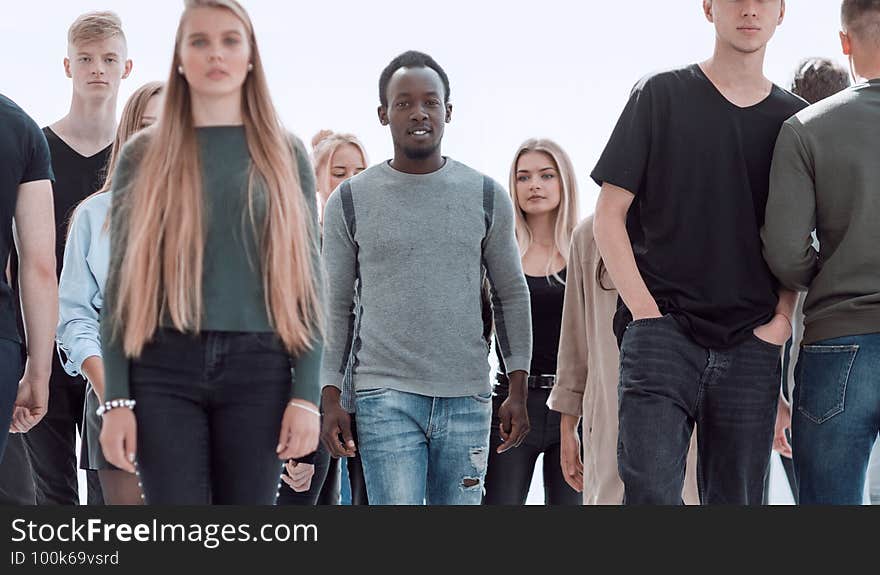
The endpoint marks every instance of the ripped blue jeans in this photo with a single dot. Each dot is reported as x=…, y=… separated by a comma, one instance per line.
x=417, y=449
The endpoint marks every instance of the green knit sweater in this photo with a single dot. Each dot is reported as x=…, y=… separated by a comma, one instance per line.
x=232, y=283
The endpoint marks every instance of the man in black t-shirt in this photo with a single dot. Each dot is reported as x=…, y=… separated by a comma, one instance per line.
x=701, y=323
x=80, y=146
x=26, y=206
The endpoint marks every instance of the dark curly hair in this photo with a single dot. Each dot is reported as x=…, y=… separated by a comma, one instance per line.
x=818, y=78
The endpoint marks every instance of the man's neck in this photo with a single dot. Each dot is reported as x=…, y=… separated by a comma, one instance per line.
x=737, y=75
x=89, y=126
x=422, y=166
x=869, y=69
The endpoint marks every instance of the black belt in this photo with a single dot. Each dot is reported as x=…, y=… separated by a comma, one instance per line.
x=533, y=382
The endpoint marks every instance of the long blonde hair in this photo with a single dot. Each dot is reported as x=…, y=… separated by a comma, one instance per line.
x=129, y=125
x=567, y=213
x=161, y=272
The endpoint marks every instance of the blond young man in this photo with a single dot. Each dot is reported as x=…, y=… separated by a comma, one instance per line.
x=80, y=142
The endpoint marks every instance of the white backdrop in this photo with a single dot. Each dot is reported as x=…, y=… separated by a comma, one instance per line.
x=555, y=68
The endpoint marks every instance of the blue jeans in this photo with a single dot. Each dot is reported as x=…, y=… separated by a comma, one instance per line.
x=835, y=418
x=418, y=449
x=668, y=384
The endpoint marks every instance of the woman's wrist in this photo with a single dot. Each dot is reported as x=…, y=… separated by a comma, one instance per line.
x=115, y=404
x=305, y=406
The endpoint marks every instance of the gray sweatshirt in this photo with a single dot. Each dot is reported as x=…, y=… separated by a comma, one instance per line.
x=418, y=244
x=826, y=176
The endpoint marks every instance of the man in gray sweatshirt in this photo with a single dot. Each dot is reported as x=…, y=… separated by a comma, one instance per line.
x=826, y=177
x=419, y=232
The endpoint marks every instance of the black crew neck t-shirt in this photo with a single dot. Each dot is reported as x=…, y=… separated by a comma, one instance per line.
x=546, y=295
x=24, y=158
x=76, y=178
x=699, y=167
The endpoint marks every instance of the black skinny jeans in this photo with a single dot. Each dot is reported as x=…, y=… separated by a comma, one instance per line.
x=209, y=411
x=509, y=474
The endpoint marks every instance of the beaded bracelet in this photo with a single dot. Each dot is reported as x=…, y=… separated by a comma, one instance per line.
x=113, y=404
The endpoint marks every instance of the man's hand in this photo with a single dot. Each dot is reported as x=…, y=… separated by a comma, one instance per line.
x=336, y=424
x=32, y=401
x=649, y=312
x=777, y=331
x=783, y=422
x=513, y=413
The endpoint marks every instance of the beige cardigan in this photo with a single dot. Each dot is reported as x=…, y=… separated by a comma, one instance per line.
x=587, y=373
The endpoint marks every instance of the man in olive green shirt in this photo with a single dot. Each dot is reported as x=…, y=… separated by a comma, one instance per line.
x=826, y=177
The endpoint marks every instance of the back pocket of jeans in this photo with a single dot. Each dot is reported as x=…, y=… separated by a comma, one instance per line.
x=821, y=378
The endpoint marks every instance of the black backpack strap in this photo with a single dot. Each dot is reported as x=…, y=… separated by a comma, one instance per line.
x=488, y=205
x=348, y=208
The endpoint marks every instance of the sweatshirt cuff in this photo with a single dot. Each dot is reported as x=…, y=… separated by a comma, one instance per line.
x=305, y=390
x=331, y=378
x=566, y=401
x=517, y=363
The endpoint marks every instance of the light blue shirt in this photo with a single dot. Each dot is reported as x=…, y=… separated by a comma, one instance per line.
x=81, y=288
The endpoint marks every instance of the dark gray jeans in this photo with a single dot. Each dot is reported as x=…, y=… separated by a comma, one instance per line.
x=668, y=384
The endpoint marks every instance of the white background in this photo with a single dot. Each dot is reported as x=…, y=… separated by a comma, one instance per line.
x=519, y=69
x=555, y=68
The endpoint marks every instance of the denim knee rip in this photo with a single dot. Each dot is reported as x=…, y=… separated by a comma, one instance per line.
x=479, y=459
x=822, y=376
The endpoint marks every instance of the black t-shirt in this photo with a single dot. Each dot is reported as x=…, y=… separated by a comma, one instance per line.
x=699, y=167
x=76, y=178
x=547, y=295
x=24, y=157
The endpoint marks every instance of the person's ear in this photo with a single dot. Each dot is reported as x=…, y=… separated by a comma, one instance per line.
x=448, y=112
x=67, y=68
x=383, y=115
x=127, y=71
x=845, y=44
x=707, y=11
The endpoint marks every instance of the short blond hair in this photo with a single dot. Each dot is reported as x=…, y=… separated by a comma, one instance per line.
x=94, y=26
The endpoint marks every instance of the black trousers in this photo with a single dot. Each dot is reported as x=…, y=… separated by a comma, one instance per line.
x=42, y=468
x=509, y=474
x=209, y=411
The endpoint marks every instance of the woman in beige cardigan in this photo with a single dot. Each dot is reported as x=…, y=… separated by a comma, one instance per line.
x=586, y=379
